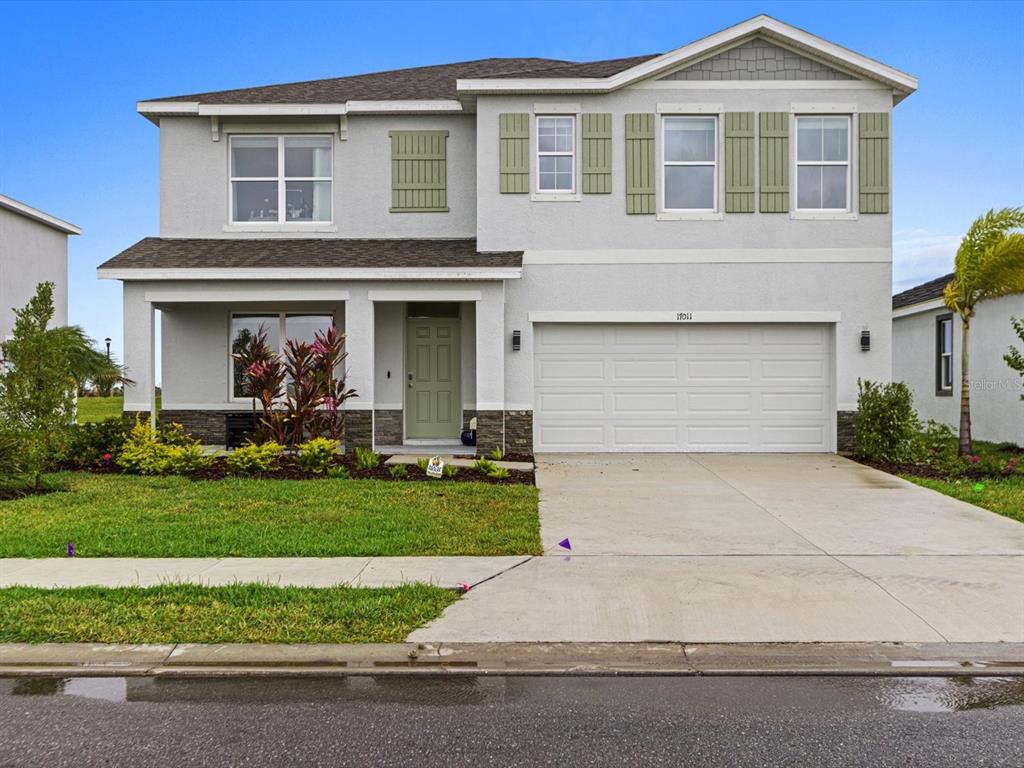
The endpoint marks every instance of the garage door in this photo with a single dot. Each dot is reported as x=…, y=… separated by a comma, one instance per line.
x=638, y=387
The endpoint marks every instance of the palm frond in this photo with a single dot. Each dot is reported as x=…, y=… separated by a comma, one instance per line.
x=988, y=261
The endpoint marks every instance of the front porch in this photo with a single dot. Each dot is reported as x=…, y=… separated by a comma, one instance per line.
x=424, y=360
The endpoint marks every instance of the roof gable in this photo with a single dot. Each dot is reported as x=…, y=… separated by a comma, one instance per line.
x=758, y=59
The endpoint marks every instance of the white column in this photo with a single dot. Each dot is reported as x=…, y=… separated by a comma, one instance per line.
x=359, y=346
x=490, y=349
x=139, y=349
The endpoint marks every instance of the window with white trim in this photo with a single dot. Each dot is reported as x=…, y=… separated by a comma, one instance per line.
x=823, y=163
x=690, y=164
x=279, y=328
x=556, y=154
x=281, y=179
x=944, y=355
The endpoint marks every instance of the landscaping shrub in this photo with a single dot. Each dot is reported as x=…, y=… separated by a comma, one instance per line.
x=367, y=459
x=450, y=470
x=338, y=472
x=316, y=455
x=145, y=453
x=497, y=454
x=89, y=444
x=398, y=471
x=934, y=445
x=423, y=462
x=484, y=466
x=499, y=473
x=186, y=459
x=886, y=422
x=254, y=458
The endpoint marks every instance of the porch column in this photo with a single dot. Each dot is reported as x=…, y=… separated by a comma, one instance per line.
x=490, y=368
x=139, y=352
x=359, y=369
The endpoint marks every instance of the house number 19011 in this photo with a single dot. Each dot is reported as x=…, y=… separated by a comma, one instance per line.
x=684, y=315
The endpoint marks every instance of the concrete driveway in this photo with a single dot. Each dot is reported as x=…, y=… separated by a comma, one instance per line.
x=749, y=548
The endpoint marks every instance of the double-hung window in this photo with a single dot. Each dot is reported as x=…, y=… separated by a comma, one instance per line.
x=823, y=163
x=944, y=355
x=556, y=154
x=278, y=327
x=281, y=179
x=690, y=180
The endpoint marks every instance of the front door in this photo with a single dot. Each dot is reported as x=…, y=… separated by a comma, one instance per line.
x=433, y=400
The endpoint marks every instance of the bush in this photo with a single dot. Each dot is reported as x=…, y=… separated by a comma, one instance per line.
x=316, y=455
x=254, y=458
x=935, y=446
x=186, y=459
x=144, y=452
x=484, y=466
x=499, y=473
x=450, y=470
x=89, y=444
x=367, y=459
x=886, y=422
x=423, y=462
x=497, y=454
x=174, y=434
x=338, y=472
x=398, y=471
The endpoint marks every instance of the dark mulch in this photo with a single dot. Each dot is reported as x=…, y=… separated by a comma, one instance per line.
x=288, y=469
x=920, y=470
x=8, y=493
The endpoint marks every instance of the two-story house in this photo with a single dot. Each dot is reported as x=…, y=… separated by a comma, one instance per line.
x=688, y=251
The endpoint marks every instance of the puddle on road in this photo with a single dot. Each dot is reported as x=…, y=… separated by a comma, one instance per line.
x=903, y=694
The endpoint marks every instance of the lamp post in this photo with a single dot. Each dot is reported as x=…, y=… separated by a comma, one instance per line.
x=107, y=340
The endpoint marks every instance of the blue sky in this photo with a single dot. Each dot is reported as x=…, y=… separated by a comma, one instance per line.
x=72, y=144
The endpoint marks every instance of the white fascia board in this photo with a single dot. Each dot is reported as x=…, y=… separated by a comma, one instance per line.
x=684, y=317
x=766, y=25
x=36, y=215
x=156, y=108
x=285, y=273
x=924, y=306
x=405, y=294
x=167, y=107
x=238, y=293
x=261, y=110
x=422, y=105
x=710, y=256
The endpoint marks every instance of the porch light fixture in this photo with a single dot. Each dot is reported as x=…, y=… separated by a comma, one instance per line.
x=865, y=340
x=517, y=341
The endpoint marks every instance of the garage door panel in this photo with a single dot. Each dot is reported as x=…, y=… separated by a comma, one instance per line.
x=683, y=388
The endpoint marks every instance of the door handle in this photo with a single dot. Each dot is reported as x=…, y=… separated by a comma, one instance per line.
x=410, y=379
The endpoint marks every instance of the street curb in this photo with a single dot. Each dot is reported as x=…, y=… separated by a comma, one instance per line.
x=516, y=659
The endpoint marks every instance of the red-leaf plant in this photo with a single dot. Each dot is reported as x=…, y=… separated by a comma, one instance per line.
x=312, y=402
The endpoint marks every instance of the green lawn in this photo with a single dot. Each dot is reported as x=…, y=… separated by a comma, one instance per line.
x=99, y=408
x=242, y=613
x=1005, y=497
x=128, y=516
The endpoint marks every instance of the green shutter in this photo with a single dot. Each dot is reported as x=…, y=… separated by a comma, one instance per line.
x=774, y=130
x=739, y=162
x=514, y=151
x=597, y=154
x=418, y=173
x=873, y=166
x=640, y=197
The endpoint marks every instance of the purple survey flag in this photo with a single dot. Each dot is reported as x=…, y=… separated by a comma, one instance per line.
x=564, y=544
x=71, y=549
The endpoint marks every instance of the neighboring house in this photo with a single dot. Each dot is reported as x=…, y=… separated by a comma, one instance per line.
x=33, y=250
x=926, y=355
x=674, y=252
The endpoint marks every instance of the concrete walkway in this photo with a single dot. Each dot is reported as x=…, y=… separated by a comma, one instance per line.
x=279, y=571
x=749, y=548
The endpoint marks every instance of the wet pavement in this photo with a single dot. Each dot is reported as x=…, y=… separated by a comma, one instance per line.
x=512, y=721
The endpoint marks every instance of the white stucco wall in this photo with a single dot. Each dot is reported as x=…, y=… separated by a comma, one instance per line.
x=997, y=412
x=515, y=221
x=194, y=178
x=30, y=253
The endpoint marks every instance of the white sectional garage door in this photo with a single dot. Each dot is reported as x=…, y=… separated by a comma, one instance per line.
x=640, y=387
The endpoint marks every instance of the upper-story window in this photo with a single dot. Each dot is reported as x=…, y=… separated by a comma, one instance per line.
x=944, y=355
x=281, y=179
x=690, y=180
x=556, y=154
x=823, y=163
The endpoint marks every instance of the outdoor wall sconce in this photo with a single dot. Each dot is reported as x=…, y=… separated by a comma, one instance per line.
x=517, y=341
x=865, y=340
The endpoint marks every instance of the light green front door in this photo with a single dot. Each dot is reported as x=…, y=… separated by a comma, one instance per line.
x=433, y=400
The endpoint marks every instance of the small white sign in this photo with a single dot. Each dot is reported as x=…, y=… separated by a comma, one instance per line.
x=435, y=467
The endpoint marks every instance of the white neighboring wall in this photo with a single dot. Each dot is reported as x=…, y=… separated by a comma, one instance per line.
x=997, y=412
x=33, y=249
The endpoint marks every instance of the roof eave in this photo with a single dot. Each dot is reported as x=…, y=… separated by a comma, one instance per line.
x=154, y=110
x=308, y=273
x=10, y=204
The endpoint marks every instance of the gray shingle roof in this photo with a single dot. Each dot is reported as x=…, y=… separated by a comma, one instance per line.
x=417, y=83
x=933, y=289
x=194, y=253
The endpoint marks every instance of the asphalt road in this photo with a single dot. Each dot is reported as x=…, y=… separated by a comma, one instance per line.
x=514, y=721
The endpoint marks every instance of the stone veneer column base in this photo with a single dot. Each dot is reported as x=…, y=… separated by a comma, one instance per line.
x=208, y=427
x=512, y=431
x=358, y=430
x=387, y=427
x=845, y=431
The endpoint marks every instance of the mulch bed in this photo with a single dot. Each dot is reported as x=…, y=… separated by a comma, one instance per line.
x=288, y=469
x=931, y=473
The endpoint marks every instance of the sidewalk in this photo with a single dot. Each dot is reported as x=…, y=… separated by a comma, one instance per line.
x=278, y=571
x=478, y=659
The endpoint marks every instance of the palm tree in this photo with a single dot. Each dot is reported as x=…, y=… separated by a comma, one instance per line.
x=88, y=364
x=989, y=264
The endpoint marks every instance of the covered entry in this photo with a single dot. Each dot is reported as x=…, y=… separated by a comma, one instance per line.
x=683, y=387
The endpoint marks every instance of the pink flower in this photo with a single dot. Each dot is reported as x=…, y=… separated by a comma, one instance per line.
x=975, y=459
x=256, y=370
x=107, y=457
